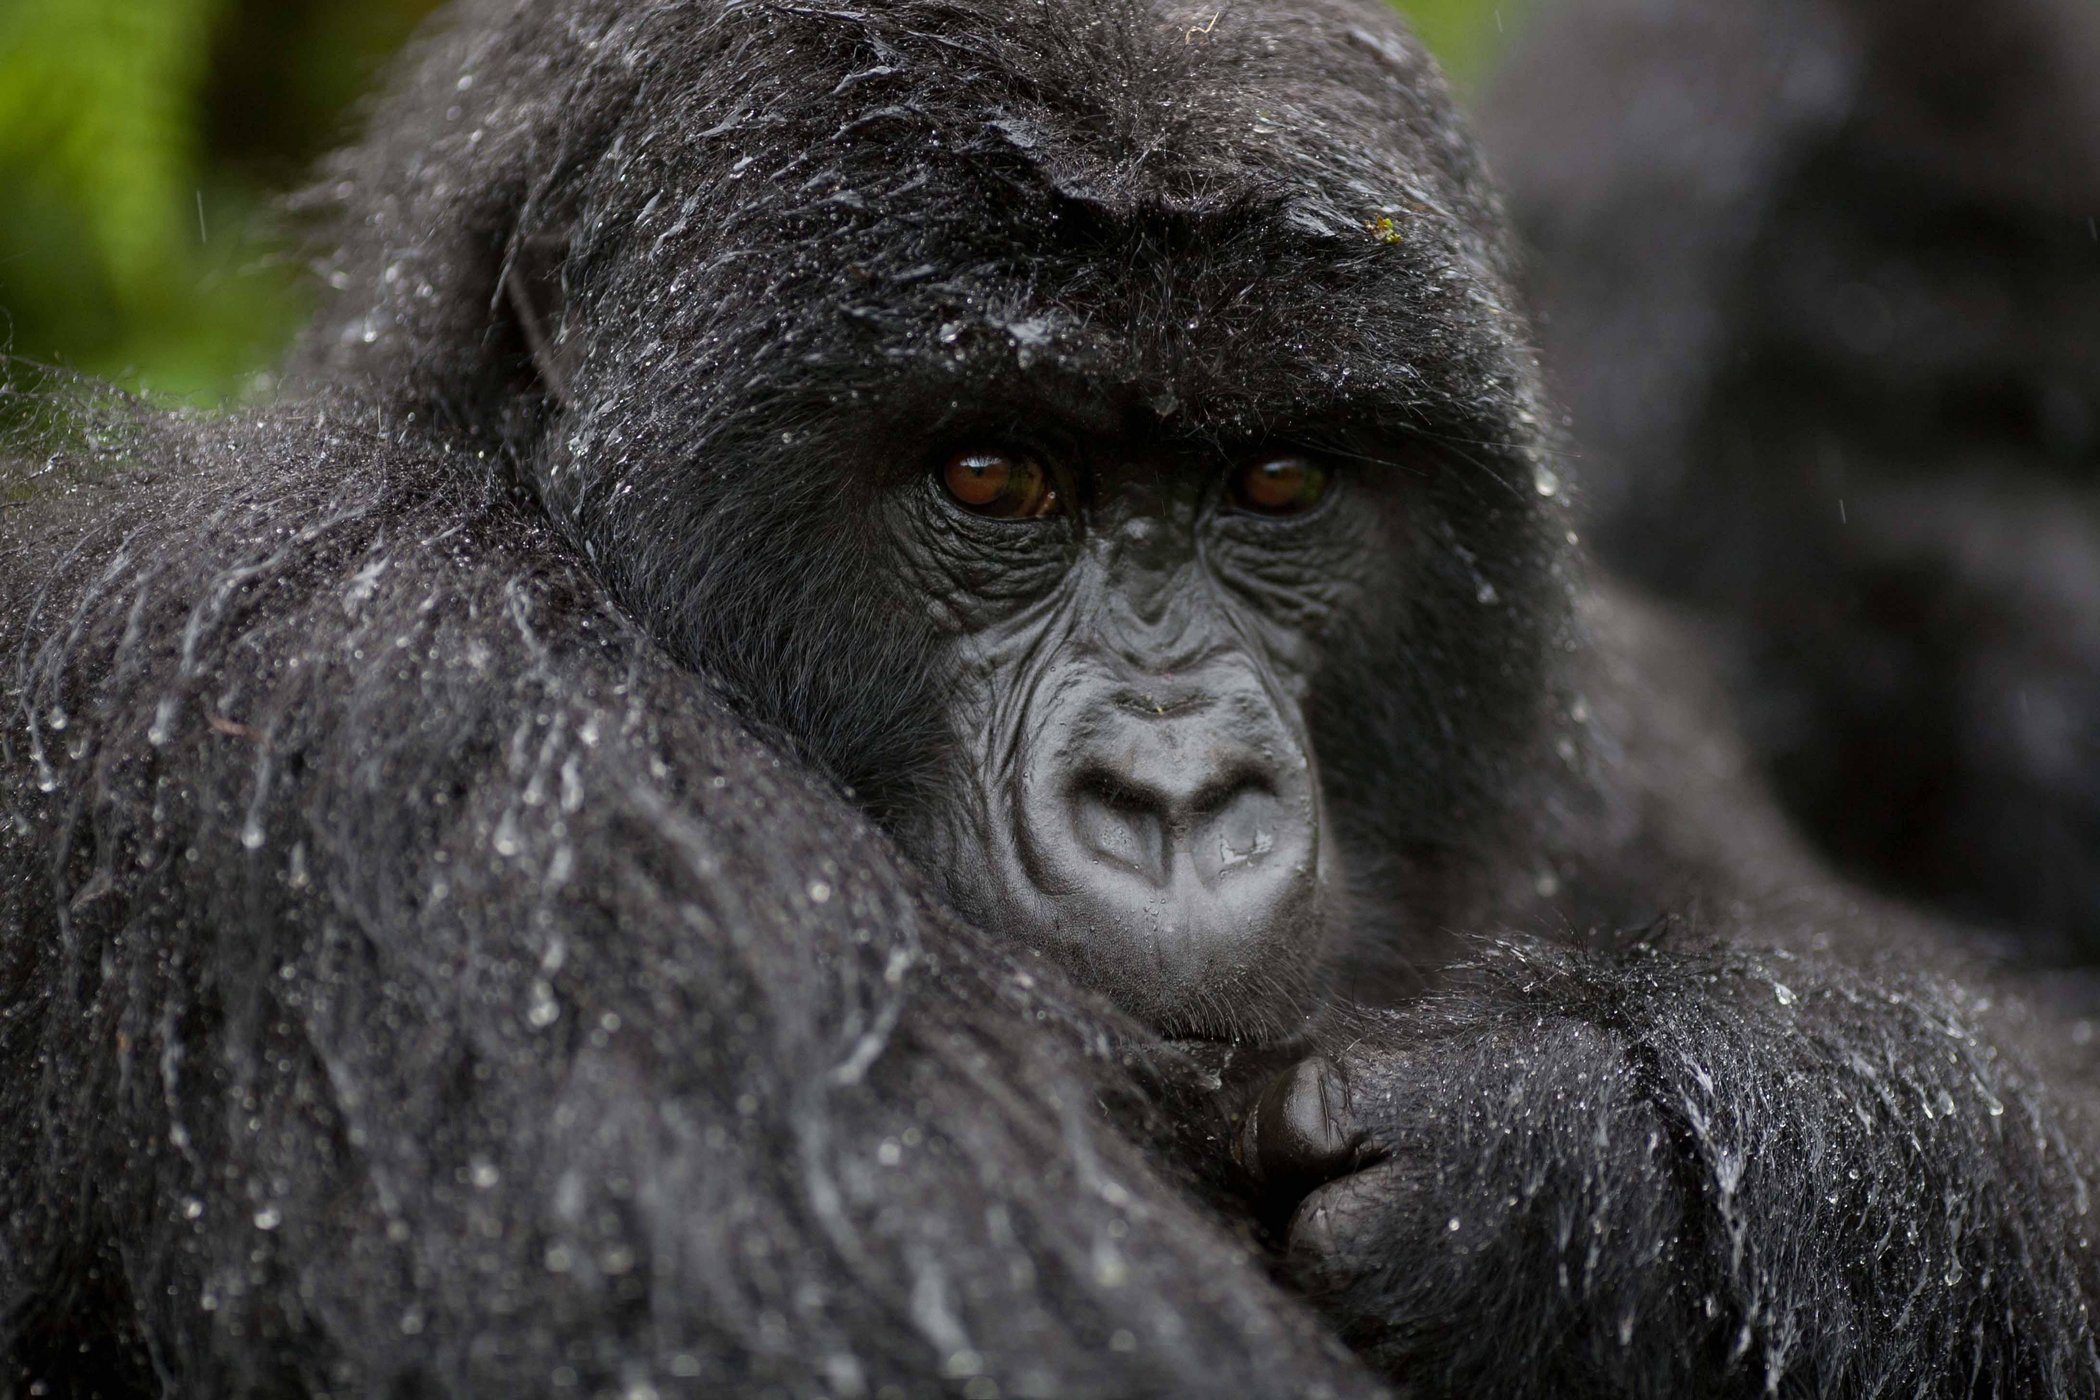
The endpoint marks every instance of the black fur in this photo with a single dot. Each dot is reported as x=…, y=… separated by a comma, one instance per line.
x=416, y=982
x=451, y=956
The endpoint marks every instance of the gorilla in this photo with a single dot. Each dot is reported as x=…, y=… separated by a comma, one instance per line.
x=909, y=705
x=1819, y=282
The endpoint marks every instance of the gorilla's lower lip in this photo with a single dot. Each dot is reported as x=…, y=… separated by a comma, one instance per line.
x=1234, y=1059
x=1248, y=1044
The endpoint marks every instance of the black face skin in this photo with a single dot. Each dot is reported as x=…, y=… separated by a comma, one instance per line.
x=1134, y=784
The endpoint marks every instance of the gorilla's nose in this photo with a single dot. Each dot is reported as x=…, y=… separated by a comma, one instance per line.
x=1162, y=809
x=1179, y=839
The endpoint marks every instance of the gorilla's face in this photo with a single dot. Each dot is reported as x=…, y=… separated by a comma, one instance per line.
x=1134, y=626
x=1131, y=493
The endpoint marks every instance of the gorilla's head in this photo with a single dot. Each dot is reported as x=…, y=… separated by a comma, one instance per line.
x=1095, y=433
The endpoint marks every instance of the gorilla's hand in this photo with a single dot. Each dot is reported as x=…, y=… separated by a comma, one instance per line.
x=1453, y=1206
x=1671, y=1168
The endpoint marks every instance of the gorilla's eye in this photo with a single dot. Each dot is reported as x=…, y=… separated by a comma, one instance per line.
x=1000, y=485
x=1286, y=485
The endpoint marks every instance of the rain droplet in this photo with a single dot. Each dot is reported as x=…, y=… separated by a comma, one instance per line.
x=544, y=1011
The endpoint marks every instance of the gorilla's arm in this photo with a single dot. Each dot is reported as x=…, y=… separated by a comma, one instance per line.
x=420, y=976
x=1679, y=1167
x=1792, y=1140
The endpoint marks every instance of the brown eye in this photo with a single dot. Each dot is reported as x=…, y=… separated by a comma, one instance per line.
x=1279, y=485
x=999, y=485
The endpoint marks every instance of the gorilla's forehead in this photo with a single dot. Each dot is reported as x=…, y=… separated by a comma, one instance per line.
x=1184, y=199
x=1323, y=107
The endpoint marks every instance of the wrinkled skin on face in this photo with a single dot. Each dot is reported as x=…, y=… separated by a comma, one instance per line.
x=1133, y=782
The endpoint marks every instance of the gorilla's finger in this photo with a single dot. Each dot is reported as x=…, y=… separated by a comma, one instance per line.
x=1337, y=1223
x=1301, y=1132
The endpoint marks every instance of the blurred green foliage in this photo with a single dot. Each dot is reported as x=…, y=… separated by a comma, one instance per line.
x=144, y=145
x=1465, y=35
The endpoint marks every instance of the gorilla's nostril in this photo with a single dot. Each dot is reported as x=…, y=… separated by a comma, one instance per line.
x=1231, y=788
x=1122, y=823
x=1243, y=828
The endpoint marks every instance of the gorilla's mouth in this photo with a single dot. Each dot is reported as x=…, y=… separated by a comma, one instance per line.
x=1159, y=837
x=1232, y=1073
x=1191, y=893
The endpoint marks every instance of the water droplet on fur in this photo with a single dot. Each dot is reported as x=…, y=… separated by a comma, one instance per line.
x=544, y=1010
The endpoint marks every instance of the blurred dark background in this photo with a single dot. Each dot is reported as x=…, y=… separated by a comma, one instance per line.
x=146, y=146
